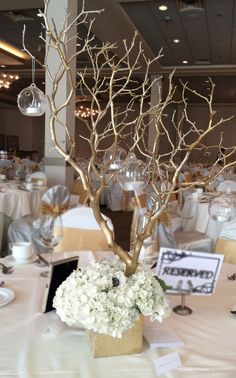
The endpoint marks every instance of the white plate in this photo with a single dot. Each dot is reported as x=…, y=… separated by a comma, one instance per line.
x=6, y=296
x=23, y=261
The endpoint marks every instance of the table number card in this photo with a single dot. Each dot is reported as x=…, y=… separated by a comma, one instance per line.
x=189, y=271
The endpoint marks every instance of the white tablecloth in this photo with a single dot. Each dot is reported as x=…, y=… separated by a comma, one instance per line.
x=35, y=345
x=17, y=203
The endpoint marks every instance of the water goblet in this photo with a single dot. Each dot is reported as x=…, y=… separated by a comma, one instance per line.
x=50, y=233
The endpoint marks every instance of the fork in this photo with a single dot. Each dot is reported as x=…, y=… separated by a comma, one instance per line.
x=6, y=269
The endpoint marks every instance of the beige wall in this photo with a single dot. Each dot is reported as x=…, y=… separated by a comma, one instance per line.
x=200, y=115
x=29, y=129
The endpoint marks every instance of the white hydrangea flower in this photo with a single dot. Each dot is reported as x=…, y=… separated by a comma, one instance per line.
x=101, y=298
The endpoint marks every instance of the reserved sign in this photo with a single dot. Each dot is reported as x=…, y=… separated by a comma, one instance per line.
x=196, y=272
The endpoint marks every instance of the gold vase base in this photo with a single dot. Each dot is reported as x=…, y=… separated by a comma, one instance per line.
x=131, y=342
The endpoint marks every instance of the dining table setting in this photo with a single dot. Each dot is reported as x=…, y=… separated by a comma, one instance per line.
x=19, y=199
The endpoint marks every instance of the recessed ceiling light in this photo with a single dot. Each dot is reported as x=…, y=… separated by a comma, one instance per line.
x=185, y=62
x=176, y=40
x=3, y=66
x=162, y=7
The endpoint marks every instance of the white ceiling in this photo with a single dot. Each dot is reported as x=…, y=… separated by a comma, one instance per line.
x=207, y=37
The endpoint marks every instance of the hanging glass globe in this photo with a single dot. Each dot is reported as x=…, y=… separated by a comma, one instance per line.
x=134, y=174
x=114, y=158
x=222, y=208
x=31, y=101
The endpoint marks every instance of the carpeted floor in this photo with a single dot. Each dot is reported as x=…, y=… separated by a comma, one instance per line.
x=122, y=224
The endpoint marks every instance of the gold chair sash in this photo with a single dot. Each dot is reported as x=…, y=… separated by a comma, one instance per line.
x=227, y=247
x=52, y=209
x=165, y=219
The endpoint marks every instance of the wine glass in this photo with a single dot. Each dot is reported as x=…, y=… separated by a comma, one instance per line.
x=50, y=233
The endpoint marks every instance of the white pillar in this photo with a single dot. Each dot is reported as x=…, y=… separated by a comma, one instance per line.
x=55, y=167
x=156, y=91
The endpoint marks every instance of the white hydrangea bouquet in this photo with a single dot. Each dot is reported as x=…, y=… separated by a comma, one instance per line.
x=101, y=298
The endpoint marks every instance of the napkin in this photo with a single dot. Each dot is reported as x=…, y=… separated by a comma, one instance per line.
x=51, y=325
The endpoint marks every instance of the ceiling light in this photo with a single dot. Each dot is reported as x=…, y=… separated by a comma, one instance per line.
x=7, y=79
x=162, y=7
x=190, y=5
x=185, y=62
x=176, y=40
x=13, y=50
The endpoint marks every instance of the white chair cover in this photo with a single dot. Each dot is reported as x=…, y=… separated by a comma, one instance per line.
x=114, y=197
x=39, y=176
x=28, y=229
x=226, y=185
x=186, y=240
x=193, y=241
x=22, y=231
x=229, y=230
x=74, y=200
x=58, y=195
x=5, y=222
x=29, y=163
x=5, y=163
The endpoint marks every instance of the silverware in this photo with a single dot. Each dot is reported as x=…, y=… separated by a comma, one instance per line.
x=41, y=261
x=6, y=269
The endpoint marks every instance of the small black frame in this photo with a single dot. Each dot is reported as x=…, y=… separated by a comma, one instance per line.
x=59, y=271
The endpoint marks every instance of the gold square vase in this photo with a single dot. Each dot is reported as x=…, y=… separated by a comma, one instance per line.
x=106, y=346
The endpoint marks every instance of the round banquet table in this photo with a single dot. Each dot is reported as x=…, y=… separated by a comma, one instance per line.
x=16, y=202
x=40, y=345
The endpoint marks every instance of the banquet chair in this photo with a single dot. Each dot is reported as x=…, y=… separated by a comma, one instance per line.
x=38, y=177
x=193, y=241
x=5, y=222
x=81, y=231
x=55, y=200
x=226, y=243
x=5, y=163
x=185, y=240
x=116, y=199
x=226, y=185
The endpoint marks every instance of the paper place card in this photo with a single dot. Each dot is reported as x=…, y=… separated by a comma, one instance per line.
x=166, y=363
x=159, y=335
